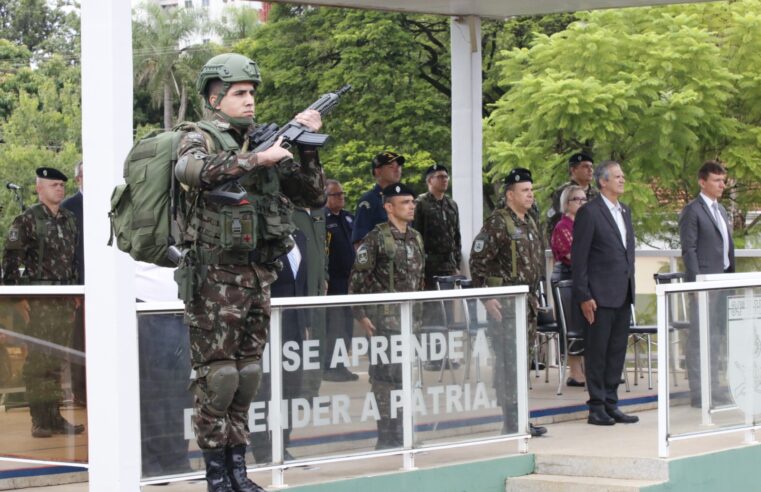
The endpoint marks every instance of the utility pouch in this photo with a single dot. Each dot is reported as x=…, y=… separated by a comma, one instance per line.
x=188, y=281
x=238, y=228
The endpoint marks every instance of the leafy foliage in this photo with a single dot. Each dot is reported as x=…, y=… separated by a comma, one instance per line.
x=658, y=89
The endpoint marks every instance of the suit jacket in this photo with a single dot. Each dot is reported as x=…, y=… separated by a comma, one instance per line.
x=286, y=285
x=602, y=269
x=74, y=203
x=702, y=245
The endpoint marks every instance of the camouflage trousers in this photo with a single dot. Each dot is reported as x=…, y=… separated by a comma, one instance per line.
x=385, y=378
x=502, y=335
x=51, y=321
x=228, y=321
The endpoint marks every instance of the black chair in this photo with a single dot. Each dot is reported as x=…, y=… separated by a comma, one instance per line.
x=548, y=332
x=678, y=318
x=475, y=324
x=639, y=334
x=447, y=312
x=570, y=333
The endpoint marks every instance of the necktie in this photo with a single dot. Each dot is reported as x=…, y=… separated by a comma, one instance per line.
x=723, y=230
x=294, y=258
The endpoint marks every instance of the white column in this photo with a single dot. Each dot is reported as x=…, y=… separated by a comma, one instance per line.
x=112, y=371
x=467, y=135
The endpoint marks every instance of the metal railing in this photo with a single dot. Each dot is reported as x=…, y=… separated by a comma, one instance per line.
x=714, y=306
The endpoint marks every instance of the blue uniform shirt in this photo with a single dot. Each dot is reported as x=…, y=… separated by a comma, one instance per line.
x=340, y=250
x=370, y=212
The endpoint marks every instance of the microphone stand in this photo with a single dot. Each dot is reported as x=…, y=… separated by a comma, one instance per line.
x=17, y=196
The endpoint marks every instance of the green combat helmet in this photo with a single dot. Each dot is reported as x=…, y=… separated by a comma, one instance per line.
x=229, y=68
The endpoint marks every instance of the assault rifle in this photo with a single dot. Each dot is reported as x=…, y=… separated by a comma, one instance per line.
x=263, y=137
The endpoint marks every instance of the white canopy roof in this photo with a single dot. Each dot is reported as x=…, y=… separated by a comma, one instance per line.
x=485, y=8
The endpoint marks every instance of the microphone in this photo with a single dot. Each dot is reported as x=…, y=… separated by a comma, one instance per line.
x=12, y=186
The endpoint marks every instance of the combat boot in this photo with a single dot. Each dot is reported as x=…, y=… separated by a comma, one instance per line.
x=235, y=460
x=40, y=420
x=59, y=425
x=216, y=472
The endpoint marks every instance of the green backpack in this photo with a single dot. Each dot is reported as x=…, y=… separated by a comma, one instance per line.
x=144, y=210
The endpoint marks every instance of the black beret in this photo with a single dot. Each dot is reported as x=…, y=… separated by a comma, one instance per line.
x=387, y=157
x=580, y=157
x=518, y=175
x=435, y=168
x=397, y=189
x=50, y=173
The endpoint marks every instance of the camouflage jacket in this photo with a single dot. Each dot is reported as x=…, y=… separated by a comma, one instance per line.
x=491, y=258
x=554, y=214
x=51, y=260
x=373, y=265
x=439, y=223
x=271, y=193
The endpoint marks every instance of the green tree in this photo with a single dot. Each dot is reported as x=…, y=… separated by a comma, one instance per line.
x=236, y=23
x=654, y=88
x=162, y=66
x=43, y=27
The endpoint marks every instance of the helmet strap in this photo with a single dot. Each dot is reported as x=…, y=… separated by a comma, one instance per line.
x=237, y=123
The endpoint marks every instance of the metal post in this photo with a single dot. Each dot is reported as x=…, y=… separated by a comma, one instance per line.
x=407, y=389
x=467, y=134
x=274, y=420
x=110, y=323
x=522, y=369
x=663, y=373
x=705, y=359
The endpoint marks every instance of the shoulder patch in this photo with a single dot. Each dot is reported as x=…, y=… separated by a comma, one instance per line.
x=478, y=245
x=13, y=234
x=362, y=255
x=364, y=204
x=349, y=219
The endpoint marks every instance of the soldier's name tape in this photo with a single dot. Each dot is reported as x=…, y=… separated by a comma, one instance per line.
x=343, y=409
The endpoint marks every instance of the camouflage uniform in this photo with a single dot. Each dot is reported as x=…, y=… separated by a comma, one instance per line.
x=51, y=261
x=371, y=273
x=491, y=265
x=230, y=313
x=554, y=214
x=439, y=223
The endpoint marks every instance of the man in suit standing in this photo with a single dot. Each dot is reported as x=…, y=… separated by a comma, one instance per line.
x=707, y=247
x=602, y=259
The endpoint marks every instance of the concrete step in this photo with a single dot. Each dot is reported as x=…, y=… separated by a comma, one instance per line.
x=602, y=467
x=564, y=483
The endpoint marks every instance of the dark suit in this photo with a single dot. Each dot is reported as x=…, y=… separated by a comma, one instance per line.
x=703, y=252
x=294, y=324
x=603, y=270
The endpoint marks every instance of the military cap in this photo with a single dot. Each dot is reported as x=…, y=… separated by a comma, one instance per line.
x=575, y=159
x=435, y=168
x=50, y=173
x=397, y=189
x=387, y=157
x=518, y=175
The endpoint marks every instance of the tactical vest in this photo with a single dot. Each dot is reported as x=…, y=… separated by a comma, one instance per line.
x=255, y=229
x=511, y=227
x=389, y=249
x=41, y=229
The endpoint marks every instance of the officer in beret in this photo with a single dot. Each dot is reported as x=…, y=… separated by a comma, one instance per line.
x=44, y=239
x=508, y=251
x=580, y=170
x=387, y=170
x=390, y=259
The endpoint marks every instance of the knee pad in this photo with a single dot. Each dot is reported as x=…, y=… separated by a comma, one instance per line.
x=250, y=374
x=221, y=383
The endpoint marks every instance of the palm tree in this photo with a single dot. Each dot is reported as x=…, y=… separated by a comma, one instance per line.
x=163, y=64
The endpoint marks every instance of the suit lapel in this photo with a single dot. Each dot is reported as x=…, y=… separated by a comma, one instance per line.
x=709, y=213
x=611, y=221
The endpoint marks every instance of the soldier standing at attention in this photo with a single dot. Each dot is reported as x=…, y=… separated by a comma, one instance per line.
x=387, y=170
x=44, y=240
x=508, y=251
x=391, y=259
x=234, y=247
x=438, y=220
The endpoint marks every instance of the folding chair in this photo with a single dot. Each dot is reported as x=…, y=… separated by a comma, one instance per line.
x=569, y=332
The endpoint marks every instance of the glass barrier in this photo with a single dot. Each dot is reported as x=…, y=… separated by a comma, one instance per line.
x=43, y=410
x=720, y=351
x=343, y=389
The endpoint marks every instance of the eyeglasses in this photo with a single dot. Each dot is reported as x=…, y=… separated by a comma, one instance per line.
x=577, y=199
x=340, y=193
